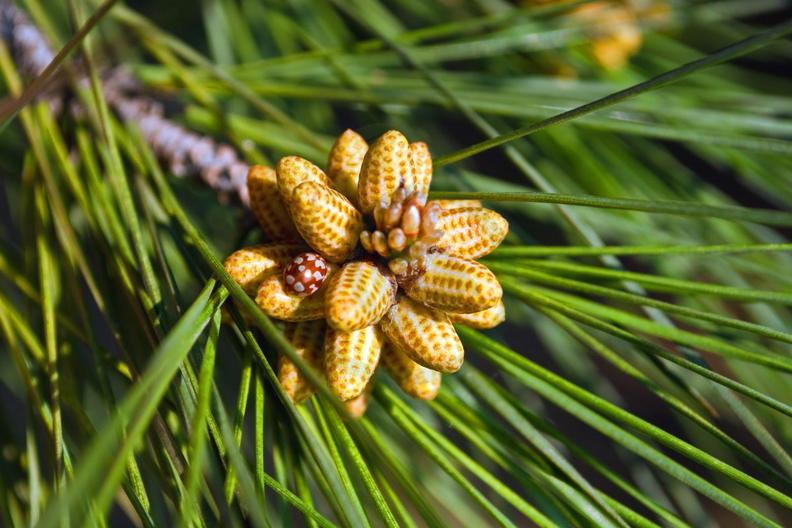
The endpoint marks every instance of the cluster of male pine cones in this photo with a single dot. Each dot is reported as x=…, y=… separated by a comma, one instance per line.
x=360, y=266
x=363, y=269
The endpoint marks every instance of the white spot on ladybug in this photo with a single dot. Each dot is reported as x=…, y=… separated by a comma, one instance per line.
x=305, y=274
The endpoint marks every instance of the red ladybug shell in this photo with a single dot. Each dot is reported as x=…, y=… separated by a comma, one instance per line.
x=305, y=274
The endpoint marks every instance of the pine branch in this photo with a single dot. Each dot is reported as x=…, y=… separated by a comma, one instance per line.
x=183, y=151
x=30, y=50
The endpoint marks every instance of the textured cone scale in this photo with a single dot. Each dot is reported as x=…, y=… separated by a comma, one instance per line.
x=421, y=166
x=294, y=170
x=344, y=162
x=251, y=265
x=356, y=407
x=358, y=296
x=424, y=334
x=350, y=359
x=458, y=204
x=471, y=233
x=266, y=204
x=454, y=284
x=414, y=379
x=327, y=221
x=489, y=318
x=273, y=298
x=307, y=338
x=387, y=165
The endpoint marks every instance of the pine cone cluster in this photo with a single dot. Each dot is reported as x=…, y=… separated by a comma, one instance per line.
x=389, y=272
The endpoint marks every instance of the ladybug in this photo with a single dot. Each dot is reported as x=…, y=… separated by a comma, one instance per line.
x=305, y=274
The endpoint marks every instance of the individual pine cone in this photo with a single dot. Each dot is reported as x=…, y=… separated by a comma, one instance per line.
x=401, y=269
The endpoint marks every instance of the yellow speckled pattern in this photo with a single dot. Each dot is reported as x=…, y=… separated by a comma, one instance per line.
x=356, y=407
x=327, y=221
x=421, y=166
x=358, y=296
x=278, y=303
x=251, y=265
x=307, y=338
x=453, y=284
x=489, y=318
x=350, y=359
x=458, y=204
x=424, y=334
x=471, y=233
x=294, y=170
x=345, y=161
x=386, y=166
x=267, y=206
x=414, y=379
